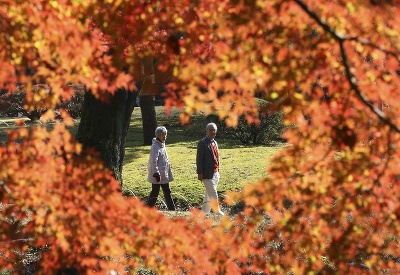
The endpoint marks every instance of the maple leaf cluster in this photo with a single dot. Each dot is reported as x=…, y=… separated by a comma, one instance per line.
x=330, y=202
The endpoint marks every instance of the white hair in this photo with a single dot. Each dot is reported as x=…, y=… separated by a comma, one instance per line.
x=211, y=125
x=160, y=130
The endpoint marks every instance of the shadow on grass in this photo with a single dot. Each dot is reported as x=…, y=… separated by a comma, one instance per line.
x=135, y=152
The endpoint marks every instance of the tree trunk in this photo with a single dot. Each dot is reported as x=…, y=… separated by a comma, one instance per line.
x=104, y=126
x=149, y=120
x=146, y=99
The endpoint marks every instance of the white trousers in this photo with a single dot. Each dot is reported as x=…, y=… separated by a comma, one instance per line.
x=211, y=193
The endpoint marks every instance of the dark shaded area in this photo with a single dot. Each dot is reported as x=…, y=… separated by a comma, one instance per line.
x=104, y=126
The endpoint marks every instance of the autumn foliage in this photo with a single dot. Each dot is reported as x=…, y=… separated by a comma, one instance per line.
x=330, y=203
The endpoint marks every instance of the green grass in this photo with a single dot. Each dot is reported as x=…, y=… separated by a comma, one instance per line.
x=239, y=164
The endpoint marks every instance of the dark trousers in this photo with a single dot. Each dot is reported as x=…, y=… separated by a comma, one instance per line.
x=155, y=190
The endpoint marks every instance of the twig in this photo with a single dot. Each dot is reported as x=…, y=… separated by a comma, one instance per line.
x=18, y=240
x=372, y=45
x=6, y=34
x=5, y=187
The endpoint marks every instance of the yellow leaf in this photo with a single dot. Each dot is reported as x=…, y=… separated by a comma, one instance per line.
x=49, y=115
x=274, y=95
x=179, y=21
x=298, y=95
x=350, y=7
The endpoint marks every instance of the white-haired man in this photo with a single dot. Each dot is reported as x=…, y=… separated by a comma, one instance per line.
x=208, y=163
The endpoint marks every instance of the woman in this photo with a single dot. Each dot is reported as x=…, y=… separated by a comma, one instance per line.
x=160, y=174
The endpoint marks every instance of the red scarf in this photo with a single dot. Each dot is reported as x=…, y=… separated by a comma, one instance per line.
x=216, y=157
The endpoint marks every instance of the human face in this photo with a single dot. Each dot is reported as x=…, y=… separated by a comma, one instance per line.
x=211, y=132
x=163, y=137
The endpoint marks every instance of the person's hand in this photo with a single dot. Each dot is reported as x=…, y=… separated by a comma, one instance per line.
x=200, y=177
x=157, y=176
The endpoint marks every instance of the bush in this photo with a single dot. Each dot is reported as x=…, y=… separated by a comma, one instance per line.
x=268, y=132
x=74, y=106
x=12, y=105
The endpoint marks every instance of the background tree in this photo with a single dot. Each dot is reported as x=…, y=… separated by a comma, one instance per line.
x=147, y=100
x=331, y=197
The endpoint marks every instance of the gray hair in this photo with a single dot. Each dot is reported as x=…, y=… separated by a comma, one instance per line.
x=211, y=125
x=160, y=130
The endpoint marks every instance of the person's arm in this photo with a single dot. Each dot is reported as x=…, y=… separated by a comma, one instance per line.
x=154, y=160
x=170, y=174
x=199, y=160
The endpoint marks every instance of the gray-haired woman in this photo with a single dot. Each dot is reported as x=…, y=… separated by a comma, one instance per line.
x=160, y=174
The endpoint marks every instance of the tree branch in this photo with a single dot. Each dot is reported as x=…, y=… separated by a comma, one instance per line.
x=5, y=187
x=340, y=38
x=18, y=240
x=353, y=84
x=372, y=45
x=6, y=34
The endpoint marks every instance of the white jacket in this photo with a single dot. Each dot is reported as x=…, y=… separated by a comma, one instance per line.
x=158, y=163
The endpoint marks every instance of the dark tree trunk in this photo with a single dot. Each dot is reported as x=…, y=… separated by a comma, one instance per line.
x=146, y=99
x=149, y=119
x=104, y=126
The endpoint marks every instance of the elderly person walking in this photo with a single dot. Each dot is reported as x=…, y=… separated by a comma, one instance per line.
x=160, y=174
x=208, y=163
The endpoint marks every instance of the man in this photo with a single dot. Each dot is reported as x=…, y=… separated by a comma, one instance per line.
x=207, y=162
